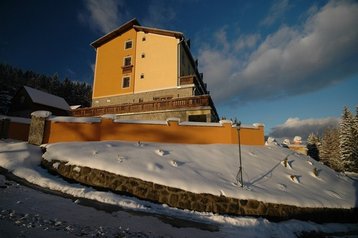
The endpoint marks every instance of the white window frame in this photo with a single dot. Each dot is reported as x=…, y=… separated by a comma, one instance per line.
x=125, y=44
x=129, y=84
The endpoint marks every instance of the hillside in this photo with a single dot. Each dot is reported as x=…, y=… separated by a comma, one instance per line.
x=264, y=175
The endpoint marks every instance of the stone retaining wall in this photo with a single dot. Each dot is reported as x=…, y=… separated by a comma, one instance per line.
x=179, y=198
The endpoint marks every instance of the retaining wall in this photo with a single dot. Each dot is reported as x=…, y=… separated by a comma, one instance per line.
x=179, y=198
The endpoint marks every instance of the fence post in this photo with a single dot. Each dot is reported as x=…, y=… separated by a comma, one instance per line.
x=4, y=128
x=37, y=127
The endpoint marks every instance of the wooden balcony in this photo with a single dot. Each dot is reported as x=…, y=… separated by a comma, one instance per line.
x=177, y=103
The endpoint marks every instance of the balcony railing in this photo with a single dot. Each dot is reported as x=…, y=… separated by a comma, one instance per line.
x=192, y=79
x=177, y=103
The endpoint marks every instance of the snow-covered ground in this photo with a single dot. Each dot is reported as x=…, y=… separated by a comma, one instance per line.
x=270, y=173
x=22, y=209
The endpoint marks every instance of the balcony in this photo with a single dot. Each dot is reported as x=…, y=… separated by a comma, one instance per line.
x=192, y=79
x=177, y=103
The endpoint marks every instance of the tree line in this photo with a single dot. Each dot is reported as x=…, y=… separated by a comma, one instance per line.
x=12, y=79
x=338, y=147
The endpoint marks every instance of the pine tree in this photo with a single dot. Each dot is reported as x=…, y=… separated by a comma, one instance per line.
x=355, y=142
x=313, y=143
x=346, y=139
x=329, y=149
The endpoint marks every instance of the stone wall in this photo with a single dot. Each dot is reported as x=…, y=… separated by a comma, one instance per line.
x=179, y=198
x=142, y=97
x=182, y=114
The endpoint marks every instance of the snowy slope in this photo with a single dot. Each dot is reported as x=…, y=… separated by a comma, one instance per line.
x=213, y=168
x=20, y=206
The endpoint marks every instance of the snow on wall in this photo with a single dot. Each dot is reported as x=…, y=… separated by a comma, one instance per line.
x=16, y=119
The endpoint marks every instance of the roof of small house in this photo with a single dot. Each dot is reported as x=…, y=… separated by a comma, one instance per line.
x=47, y=99
x=133, y=24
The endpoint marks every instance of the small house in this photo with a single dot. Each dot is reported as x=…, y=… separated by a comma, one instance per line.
x=28, y=99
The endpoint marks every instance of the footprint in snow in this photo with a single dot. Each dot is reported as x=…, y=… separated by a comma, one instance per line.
x=120, y=159
x=282, y=187
x=174, y=163
x=333, y=194
x=252, y=154
x=161, y=152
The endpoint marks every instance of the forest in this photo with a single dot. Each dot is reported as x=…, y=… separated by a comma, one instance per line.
x=12, y=79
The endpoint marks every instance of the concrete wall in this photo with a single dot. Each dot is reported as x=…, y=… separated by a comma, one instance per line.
x=170, y=131
x=144, y=96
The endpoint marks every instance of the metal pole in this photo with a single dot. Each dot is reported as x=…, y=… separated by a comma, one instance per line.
x=239, y=174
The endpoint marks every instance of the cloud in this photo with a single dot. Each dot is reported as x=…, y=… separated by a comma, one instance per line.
x=276, y=11
x=103, y=16
x=291, y=61
x=296, y=127
x=159, y=14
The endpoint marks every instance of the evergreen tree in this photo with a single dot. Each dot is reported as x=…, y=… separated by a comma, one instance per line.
x=313, y=143
x=329, y=149
x=12, y=79
x=346, y=139
x=355, y=142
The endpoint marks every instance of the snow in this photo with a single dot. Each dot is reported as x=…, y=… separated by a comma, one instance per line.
x=26, y=205
x=47, y=99
x=42, y=114
x=213, y=168
x=75, y=119
x=16, y=119
x=150, y=122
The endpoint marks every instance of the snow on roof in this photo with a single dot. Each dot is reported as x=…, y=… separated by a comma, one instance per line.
x=75, y=107
x=47, y=99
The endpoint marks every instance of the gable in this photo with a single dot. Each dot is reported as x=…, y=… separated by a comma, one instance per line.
x=46, y=99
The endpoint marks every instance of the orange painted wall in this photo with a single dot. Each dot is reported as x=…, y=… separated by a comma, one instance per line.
x=171, y=133
x=70, y=131
x=109, y=61
x=18, y=131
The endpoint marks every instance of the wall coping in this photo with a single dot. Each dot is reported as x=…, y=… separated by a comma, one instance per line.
x=21, y=120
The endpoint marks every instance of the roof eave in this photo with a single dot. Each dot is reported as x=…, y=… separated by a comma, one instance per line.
x=104, y=39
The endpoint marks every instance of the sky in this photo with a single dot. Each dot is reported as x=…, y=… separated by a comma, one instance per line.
x=292, y=65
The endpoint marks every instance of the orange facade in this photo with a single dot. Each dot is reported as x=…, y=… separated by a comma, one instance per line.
x=171, y=132
x=111, y=66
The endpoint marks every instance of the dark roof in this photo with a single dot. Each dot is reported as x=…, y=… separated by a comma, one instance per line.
x=133, y=24
x=47, y=99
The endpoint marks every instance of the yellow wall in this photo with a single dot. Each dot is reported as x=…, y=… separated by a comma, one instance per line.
x=109, y=61
x=159, y=66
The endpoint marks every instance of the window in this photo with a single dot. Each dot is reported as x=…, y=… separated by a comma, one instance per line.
x=128, y=61
x=128, y=44
x=143, y=55
x=143, y=39
x=126, y=82
x=142, y=76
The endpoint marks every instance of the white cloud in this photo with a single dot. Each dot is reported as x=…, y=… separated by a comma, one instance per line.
x=291, y=61
x=296, y=127
x=276, y=11
x=103, y=16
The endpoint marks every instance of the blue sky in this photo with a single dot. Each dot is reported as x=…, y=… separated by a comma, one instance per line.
x=287, y=64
